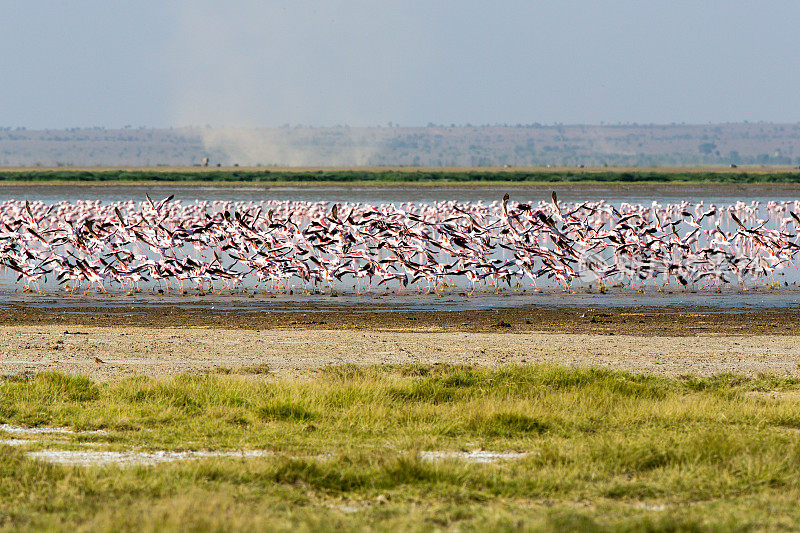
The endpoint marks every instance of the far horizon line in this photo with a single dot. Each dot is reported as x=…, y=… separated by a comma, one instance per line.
x=393, y=125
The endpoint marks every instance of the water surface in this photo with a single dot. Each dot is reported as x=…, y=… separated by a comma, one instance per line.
x=669, y=299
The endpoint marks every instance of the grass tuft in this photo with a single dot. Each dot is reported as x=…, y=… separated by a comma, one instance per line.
x=507, y=425
x=60, y=387
x=279, y=409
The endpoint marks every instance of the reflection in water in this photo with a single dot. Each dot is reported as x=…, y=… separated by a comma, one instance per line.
x=668, y=301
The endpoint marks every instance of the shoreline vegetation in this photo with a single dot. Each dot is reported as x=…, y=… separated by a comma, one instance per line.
x=387, y=448
x=404, y=175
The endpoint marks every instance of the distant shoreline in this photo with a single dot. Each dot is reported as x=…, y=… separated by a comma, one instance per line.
x=389, y=176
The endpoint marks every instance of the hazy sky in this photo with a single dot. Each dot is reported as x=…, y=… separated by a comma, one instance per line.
x=249, y=63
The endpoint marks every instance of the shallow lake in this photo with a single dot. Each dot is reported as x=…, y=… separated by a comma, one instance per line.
x=454, y=297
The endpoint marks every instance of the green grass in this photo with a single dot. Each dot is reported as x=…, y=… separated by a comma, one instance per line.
x=607, y=451
x=405, y=176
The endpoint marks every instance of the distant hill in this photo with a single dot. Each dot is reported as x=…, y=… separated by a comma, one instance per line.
x=431, y=146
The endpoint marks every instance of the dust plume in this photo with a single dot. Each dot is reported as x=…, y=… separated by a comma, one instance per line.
x=244, y=72
x=288, y=147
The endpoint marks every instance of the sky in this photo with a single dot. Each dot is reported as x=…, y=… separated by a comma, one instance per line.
x=161, y=63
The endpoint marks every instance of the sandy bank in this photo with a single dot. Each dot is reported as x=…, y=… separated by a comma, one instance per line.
x=108, y=353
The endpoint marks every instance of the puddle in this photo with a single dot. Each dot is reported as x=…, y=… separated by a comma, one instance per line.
x=478, y=456
x=85, y=457
x=650, y=506
x=349, y=508
x=130, y=458
x=21, y=430
x=137, y=458
x=8, y=428
x=16, y=442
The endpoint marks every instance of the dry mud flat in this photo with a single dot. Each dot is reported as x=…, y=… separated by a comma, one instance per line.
x=640, y=321
x=111, y=343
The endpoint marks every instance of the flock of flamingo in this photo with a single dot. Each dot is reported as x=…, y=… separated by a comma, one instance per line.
x=274, y=244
